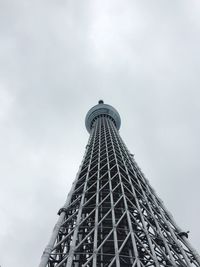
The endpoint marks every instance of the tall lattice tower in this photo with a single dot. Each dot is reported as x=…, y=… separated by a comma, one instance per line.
x=112, y=216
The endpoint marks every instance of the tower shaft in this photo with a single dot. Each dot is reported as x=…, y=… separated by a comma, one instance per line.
x=112, y=216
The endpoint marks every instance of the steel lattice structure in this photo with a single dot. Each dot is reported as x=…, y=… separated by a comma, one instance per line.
x=112, y=216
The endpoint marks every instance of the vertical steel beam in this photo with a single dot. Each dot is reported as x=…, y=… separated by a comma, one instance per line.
x=75, y=238
x=47, y=252
x=97, y=204
x=125, y=204
x=112, y=203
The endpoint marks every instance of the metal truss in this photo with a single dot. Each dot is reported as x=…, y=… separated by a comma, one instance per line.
x=112, y=216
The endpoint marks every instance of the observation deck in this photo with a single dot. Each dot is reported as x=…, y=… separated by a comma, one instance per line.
x=102, y=109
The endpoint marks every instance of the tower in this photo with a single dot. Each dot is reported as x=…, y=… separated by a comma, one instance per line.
x=112, y=216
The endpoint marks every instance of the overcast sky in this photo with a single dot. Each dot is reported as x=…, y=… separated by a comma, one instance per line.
x=57, y=59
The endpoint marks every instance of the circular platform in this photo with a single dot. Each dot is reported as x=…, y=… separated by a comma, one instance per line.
x=102, y=109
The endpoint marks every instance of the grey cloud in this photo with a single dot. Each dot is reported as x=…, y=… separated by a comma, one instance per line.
x=57, y=60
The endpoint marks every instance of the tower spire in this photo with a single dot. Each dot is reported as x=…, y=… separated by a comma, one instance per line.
x=112, y=216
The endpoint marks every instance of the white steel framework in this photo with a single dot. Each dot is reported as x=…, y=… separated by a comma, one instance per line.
x=112, y=216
